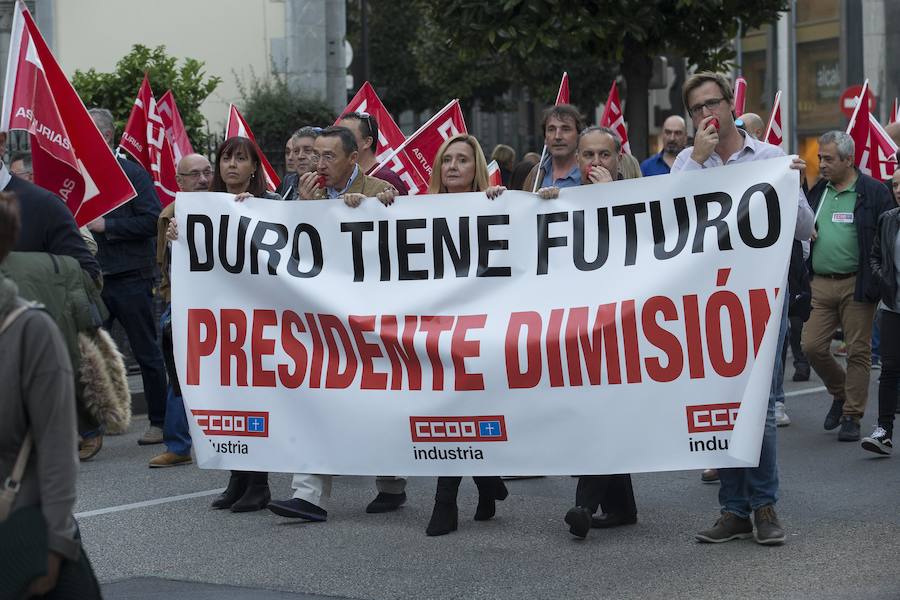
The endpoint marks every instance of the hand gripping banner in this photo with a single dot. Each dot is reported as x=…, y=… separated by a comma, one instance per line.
x=623, y=327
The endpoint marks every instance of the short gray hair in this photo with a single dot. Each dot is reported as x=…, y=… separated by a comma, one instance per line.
x=610, y=132
x=104, y=119
x=845, y=147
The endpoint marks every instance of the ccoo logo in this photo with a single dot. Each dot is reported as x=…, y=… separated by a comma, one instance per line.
x=491, y=428
x=233, y=422
x=712, y=417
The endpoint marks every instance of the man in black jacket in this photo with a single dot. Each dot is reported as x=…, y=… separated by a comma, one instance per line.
x=127, y=252
x=844, y=290
x=47, y=224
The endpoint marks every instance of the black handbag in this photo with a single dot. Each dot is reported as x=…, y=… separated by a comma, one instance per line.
x=23, y=534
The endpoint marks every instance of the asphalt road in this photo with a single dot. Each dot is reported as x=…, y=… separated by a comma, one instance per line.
x=150, y=533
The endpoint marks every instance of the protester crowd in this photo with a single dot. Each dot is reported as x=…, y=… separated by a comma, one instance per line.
x=842, y=277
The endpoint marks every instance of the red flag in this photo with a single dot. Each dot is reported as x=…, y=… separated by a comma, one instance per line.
x=237, y=126
x=389, y=135
x=895, y=113
x=774, y=134
x=494, y=177
x=740, y=95
x=876, y=153
x=562, y=96
x=175, y=131
x=413, y=159
x=882, y=157
x=145, y=139
x=613, y=117
x=69, y=155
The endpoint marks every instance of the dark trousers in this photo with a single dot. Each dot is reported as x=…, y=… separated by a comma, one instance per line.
x=448, y=488
x=130, y=302
x=794, y=332
x=612, y=493
x=889, y=381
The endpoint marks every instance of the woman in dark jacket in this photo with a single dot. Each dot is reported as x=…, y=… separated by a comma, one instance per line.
x=238, y=170
x=39, y=398
x=459, y=166
x=884, y=260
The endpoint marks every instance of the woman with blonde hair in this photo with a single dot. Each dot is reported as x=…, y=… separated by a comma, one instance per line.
x=459, y=166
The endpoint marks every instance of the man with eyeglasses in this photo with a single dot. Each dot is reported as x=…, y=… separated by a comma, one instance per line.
x=343, y=178
x=193, y=174
x=718, y=142
x=365, y=128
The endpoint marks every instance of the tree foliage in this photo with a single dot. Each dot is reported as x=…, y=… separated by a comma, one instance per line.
x=626, y=33
x=118, y=89
x=274, y=111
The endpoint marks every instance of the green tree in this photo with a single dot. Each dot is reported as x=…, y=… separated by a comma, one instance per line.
x=117, y=90
x=274, y=111
x=629, y=33
x=392, y=63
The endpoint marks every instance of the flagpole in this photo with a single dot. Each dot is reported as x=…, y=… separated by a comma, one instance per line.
x=775, y=108
x=563, y=81
x=862, y=98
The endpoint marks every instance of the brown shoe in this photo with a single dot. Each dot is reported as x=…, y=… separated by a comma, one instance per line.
x=728, y=527
x=709, y=476
x=88, y=448
x=169, y=459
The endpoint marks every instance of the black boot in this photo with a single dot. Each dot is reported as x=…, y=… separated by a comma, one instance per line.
x=237, y=485
x=257, y=495
x=490, y=489
x=444, y=519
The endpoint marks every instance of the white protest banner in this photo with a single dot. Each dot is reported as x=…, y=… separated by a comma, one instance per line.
x=615, y=329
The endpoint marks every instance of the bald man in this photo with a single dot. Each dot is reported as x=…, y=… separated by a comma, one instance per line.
x=753, y=125
x=193, y=174
x=673, y=140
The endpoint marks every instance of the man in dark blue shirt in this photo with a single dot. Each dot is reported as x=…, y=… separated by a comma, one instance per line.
x=674, y=140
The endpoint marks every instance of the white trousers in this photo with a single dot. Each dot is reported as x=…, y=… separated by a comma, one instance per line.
x=316, y=489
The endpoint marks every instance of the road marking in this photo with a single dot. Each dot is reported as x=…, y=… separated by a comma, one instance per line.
x=146, y=503
x=814, y=390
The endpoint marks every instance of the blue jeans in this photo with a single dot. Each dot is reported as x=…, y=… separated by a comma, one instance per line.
x=176, y=433
x=744, y=490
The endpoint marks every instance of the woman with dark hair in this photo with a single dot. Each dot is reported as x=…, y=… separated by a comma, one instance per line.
x=40, y=549
x=459, y=166
x=521, y=170
x=239, y=171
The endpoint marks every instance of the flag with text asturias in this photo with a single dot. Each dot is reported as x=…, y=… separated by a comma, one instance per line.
x=413, y=159
x=69, y=155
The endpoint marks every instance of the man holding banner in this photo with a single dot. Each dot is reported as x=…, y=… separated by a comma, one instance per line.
x=562, y=124
x=598, y=153
x=719, y=142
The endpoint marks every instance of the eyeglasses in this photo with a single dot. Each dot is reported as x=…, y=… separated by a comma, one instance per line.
x=711, y=105
x=196, y=174
x=364, y=116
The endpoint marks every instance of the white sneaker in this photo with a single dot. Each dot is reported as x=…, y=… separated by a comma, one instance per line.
x=153, y=435
x=781, y=417
x=878, y=442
